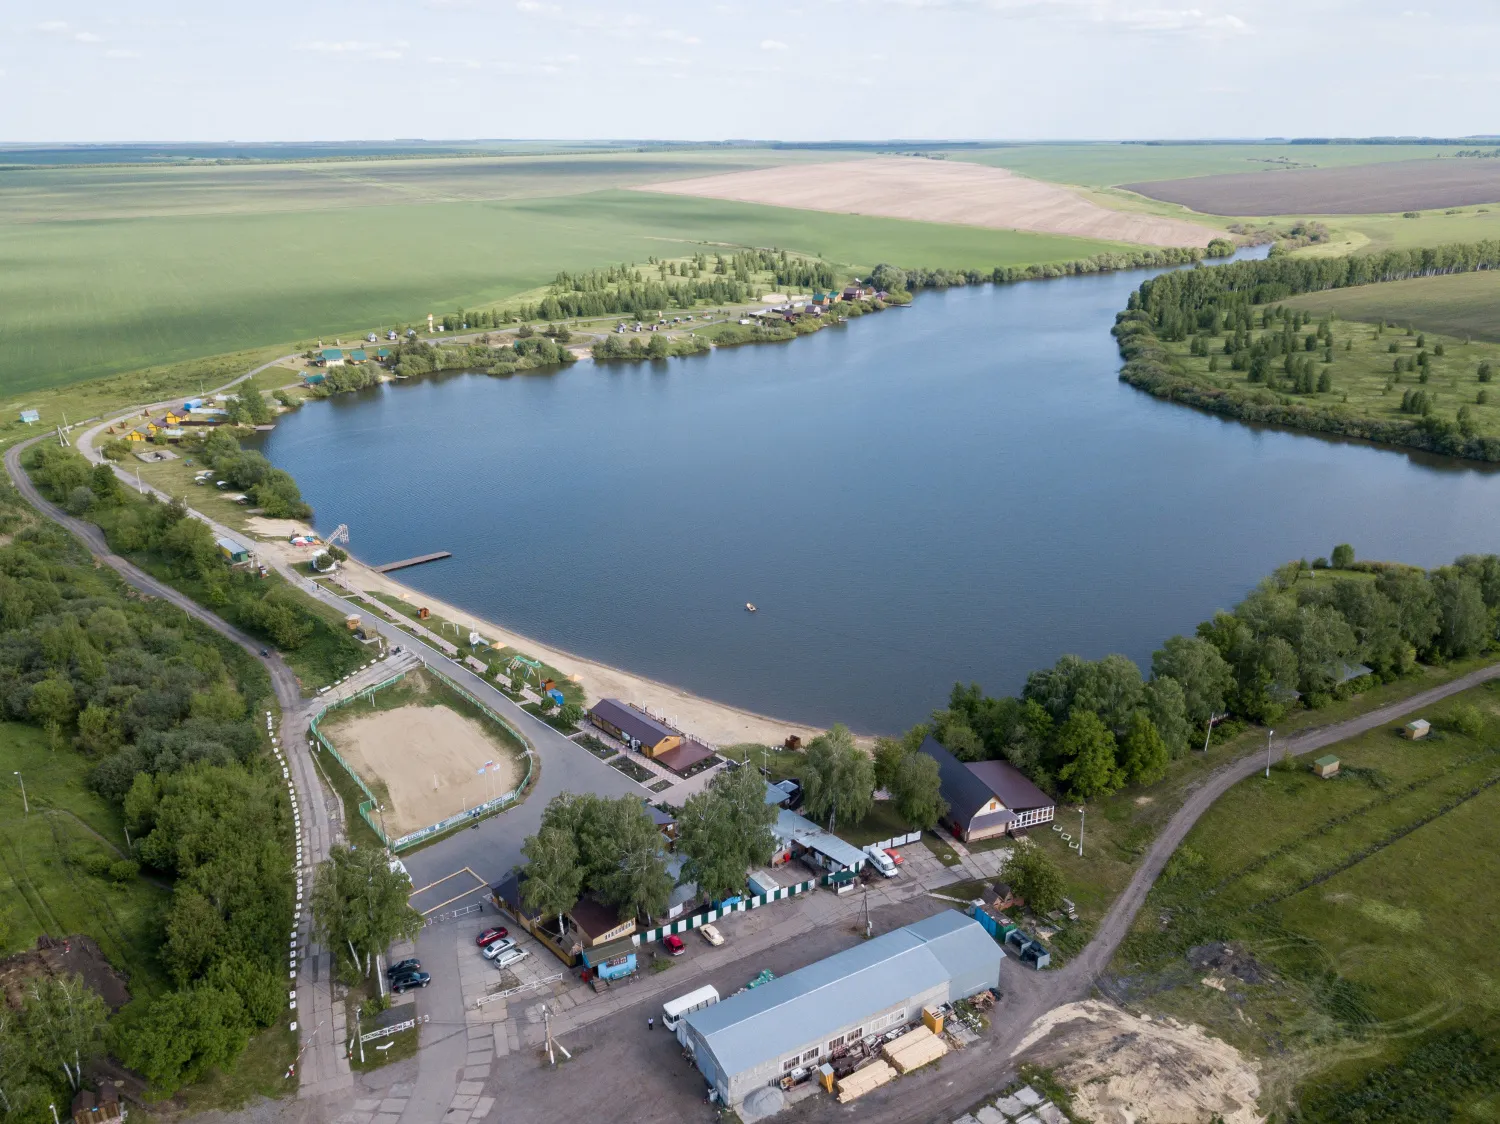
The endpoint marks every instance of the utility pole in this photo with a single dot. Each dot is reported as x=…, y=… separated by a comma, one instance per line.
x=359, y=1036
x=1208, y=733
x=25, y=807
x=1269, y=732
x=1081, y=818
x=869, y=928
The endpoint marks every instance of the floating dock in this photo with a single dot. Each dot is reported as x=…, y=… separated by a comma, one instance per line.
x=417, y=561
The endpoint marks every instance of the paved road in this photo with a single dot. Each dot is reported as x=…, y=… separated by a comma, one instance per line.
x=323, y=1066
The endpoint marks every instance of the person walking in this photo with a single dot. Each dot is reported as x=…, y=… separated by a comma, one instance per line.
x=651, y=1023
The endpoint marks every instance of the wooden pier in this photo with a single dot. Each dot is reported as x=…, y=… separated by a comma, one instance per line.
x=417, y=561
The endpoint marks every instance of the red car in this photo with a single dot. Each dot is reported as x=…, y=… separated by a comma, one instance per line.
x=490, y=936
x=895, y=855
x=673, y=944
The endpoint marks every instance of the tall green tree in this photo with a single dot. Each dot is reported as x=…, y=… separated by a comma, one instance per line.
x=1143, y=753
x=1034, y=877
x=554, y=879
x=840, y=778
x=183, y=1035
x=724, y=831
x=1200, y=670
x=65, y=1019
x=1088, y=748
x=359, y=903
x=639, y=885
x=917, y=791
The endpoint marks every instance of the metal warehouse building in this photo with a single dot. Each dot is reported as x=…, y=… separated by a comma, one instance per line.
x=751, y=1039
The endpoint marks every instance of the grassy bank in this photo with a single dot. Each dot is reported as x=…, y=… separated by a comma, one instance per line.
x=1359, y=904
x=1458, y=306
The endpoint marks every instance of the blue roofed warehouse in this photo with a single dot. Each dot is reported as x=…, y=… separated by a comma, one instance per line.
x=752, y=1039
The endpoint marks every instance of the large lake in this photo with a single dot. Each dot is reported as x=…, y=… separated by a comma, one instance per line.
x=959, y=490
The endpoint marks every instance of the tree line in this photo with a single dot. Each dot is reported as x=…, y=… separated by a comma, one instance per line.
x=163, y=710
x=171, y=542
x=1175, y=307
x=1087, y=728
x=528, y=351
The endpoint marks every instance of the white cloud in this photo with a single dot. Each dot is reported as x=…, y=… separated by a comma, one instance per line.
x=672, y=35
x=88, y=37
x=772, y=45
x=390, y=50
x=121, y=53
x=55, y=27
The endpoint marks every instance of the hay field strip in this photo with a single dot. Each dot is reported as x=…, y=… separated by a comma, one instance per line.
x=1411, y=185
x=940, y=191
x=1457, y=305
x=84, y=299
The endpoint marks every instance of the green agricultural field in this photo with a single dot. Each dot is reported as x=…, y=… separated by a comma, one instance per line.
x=98, y=297
x=1361, y=907
x=1457, y=305
x=1363, y=376
x=1104, y=165
x=44, y=886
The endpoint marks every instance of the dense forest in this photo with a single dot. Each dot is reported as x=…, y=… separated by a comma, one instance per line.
x=1088, y=728
x=163, y=710
x=1218, y=309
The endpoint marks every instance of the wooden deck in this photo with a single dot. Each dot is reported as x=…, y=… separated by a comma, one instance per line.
x=417, y=561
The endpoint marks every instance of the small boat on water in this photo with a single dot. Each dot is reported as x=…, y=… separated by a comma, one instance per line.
x=749, y=607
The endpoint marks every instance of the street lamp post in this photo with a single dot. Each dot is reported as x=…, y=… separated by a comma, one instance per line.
x=1269, y=733
x=25, y=807
x=1081, y=818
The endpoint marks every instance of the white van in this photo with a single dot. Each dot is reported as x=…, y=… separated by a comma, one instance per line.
x=881, y=861
x=673, y=1010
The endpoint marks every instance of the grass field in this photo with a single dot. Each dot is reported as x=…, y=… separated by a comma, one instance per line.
x=1105, y=165
x=1364, y=380
x=1368, y=899
x=42, y=888
x=110, y=296
x=1455, y=305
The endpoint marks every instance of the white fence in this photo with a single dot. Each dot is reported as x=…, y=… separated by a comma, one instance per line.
x=686, y=924
x=899, y=841
x=452, y=914
x=387, y=1031
x=508, y=992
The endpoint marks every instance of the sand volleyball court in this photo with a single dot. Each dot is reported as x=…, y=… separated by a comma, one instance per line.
x=426, y=760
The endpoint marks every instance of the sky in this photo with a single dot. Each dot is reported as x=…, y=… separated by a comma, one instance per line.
x=165, y=70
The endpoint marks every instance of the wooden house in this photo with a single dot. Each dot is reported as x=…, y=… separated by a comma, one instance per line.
x=635, y=728
x=987, y=798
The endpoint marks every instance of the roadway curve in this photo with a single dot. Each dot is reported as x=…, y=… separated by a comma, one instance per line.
x=1028, y=995
x=321, y=1058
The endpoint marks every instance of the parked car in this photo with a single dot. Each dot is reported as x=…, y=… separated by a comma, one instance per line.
x=513, y=956
x=881, y=861
x=895, y=855
x=406, y=983
x=490, y=936
x=712, y=935
x=673, y=944
x=494, y=949
x=404, y=968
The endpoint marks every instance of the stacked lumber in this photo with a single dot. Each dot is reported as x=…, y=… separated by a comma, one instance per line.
x=914, y=1049
x=861, y=1081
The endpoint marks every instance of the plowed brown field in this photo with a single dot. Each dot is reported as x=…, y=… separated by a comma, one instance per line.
x=940, y=191
x=1406, y=185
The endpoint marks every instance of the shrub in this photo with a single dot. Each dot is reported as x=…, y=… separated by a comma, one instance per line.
x=1466, y=719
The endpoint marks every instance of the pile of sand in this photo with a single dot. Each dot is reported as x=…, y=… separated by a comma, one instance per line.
x=1128, y=1070
x=947, y=191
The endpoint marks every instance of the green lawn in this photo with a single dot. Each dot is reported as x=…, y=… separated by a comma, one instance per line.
x=1364, y=380
x=42, y=889
x=1455, y=305
x=1370, y=899
x=114, y=294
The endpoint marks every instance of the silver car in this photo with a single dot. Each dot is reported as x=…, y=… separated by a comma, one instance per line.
x=504, y=944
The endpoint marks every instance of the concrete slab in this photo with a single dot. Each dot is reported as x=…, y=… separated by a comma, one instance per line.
x=470, y=1088
x=988, y=1115
x=484, y=1107
x=465, y=1102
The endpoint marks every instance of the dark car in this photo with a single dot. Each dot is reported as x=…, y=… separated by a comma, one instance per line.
x=406, y=967
x=490, y=936
x=406, y=983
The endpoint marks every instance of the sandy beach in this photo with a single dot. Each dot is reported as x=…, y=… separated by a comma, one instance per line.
x=716, y=723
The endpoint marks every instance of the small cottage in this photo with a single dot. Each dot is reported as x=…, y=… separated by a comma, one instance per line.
x=1326, y=766
x=1418, y=728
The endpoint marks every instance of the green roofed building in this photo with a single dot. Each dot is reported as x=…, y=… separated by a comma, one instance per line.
x=331, y=357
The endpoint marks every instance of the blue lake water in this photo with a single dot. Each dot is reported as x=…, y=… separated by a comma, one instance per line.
x=957, y=490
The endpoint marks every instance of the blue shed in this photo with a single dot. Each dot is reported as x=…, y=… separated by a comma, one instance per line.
x=611, y=961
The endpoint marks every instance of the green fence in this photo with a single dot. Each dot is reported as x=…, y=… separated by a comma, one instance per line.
x=369, y=804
